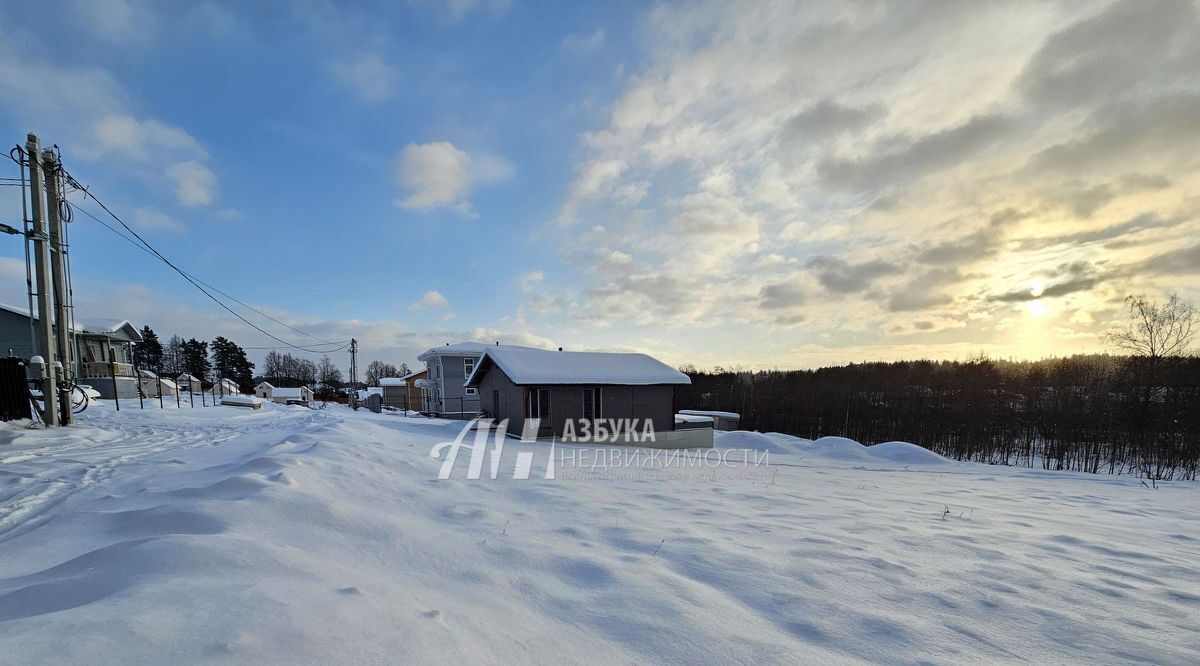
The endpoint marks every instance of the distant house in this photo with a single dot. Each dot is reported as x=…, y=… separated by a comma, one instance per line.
x=227, y=387
x=403, y=392
x=518, y=383
x=189, y=383
x=102, y=349
x=446, y=368
x=285, y=396
x=152, y=384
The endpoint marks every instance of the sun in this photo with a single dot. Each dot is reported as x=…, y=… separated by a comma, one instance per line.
x=1037, y=307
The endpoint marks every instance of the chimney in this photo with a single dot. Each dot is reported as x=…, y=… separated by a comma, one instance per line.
x=560, y=349
x=497, y=343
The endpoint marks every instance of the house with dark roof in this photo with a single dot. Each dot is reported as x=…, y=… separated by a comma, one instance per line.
x=102, y=354
x=571, y=391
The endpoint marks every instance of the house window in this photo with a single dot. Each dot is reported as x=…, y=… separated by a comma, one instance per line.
x=591, y=403
x=472, y=391
x=468, y=367
x=539, y=403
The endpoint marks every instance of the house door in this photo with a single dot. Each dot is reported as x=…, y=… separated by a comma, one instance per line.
x=539, y=408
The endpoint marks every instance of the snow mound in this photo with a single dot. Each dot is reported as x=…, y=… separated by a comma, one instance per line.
x=906, y=453
x=839, y=448
x=829, y=448
x=745, y=439
x=241, y=400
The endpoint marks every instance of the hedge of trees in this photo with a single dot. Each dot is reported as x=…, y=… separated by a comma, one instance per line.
x=1095, y=413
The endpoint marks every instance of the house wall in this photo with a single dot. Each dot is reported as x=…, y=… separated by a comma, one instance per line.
x=512, y=399
x=14, y=335
x=653, y=403
x=447, y=371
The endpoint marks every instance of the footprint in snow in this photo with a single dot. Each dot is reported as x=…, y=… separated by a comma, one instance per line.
x=434, y=614
x=351, y=590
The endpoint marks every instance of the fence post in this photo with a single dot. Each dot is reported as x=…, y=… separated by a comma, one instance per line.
x=137, y=377
x=191, y=396
x=178, y=403
x=158, y=380
x=112, y=375
x=203, y=400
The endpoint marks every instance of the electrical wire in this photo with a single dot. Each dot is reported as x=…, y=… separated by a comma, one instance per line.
x=150, y=249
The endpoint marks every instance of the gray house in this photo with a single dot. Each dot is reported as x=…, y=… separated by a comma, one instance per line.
x=447, y=367
x=102, y=348
x=518, y=383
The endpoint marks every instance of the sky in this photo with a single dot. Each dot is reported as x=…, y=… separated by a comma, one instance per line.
x=740, y=184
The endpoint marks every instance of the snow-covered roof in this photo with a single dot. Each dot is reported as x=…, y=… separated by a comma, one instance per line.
x=706, y=412
x=96, y=326
x=468, y=348
x=415, y=373
x=288, y=392
x=391, y=381
x=109, y=327
x=185, y=377
x=539, y=366
x=692, y=418
x=262, y=384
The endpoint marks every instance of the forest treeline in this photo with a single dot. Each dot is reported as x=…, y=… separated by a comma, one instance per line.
x=1090, y=413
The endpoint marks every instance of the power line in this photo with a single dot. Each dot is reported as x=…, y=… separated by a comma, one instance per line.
x=150, y=249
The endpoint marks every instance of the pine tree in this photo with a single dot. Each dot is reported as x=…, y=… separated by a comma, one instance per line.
x=195, y=358
x=149, y=354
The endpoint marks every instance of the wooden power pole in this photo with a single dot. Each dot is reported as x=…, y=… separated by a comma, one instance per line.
x=41, y=255
x=58, y=261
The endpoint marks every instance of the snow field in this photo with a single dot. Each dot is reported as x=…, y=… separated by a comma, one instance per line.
x=289, y=535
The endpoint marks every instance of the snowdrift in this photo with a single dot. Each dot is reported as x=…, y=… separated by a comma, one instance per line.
x=829, y=448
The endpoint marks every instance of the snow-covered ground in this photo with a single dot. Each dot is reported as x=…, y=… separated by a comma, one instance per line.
x=289, y=535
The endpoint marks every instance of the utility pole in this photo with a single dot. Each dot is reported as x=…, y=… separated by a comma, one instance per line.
x=41, y=255
x=353, y=374
x=58, y=260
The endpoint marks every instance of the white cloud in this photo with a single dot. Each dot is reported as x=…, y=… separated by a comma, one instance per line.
x=368, y=75
x=583, y=43
x=152, y=219
x=439, y=174
x=195, y=184
x=229, y=214
x=120, y=22
x=142, y=140
x=530, y=280
x=430, y=299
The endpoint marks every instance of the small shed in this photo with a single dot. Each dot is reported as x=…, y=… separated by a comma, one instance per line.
x=189, y=383
x=227, y=387
x=721, y=420
x=152, y=383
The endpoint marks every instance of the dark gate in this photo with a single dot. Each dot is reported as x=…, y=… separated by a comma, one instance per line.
x=14, y=390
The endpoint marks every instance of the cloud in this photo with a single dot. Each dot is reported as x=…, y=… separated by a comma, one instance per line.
x=142, y=140
x=439, y=175
x=152, y=219
x=1086, y=62
x=368, y=75
x=841, y=277
x=430, y=299
x=915, y=157
x=531, y=280
x=119, y=22
x=829, y=117
x=581, y=43
x=925, y=291
x=229, y=214
x=195, y=184
x=1130, y=227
